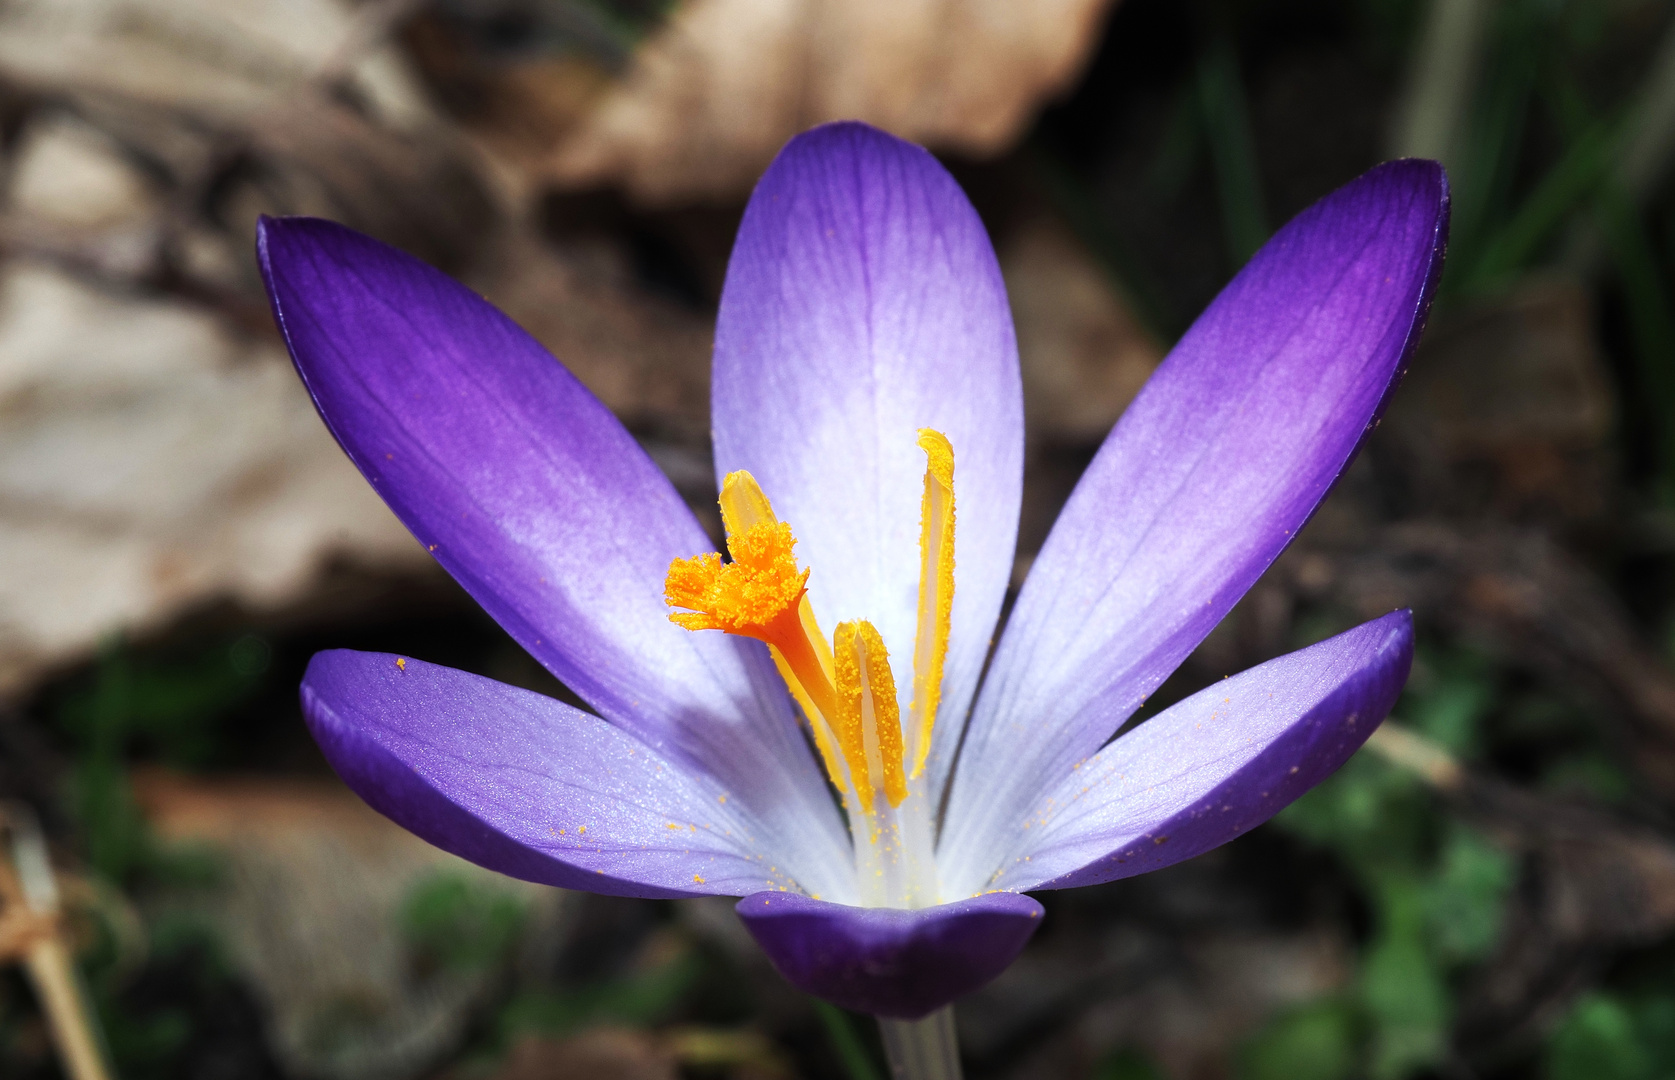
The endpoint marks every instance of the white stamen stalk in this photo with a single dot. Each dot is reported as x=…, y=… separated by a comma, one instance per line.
x=901, y=837
x=916, y=821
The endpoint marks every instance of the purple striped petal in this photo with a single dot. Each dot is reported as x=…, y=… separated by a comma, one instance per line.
x=887, y=961
x=1205, y=479
x=863, y=302
x=526, y=785
x=1212, y=767
x=531, y=494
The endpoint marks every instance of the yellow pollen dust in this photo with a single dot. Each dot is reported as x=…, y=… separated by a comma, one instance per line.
x=762, y=595
x=845, y=689
x=936, y=589
x=868, y=721
x=744, y=596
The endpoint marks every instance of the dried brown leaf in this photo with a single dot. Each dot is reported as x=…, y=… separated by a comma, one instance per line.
x=723, y=84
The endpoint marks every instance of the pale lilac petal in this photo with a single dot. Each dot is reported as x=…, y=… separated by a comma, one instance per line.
x=1208, y=475
x=533, y=496
x=887, y=961
x=863, y=302
x=1212, y=767
x=526, y=785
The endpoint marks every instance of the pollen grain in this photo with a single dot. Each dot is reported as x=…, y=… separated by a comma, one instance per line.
x=869, y=721
x=936, y=591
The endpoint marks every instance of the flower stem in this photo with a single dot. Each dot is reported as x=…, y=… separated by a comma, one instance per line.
x=924, y=1049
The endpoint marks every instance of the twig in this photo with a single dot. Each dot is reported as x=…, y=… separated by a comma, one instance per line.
x=1403, y=747
x=29, y=893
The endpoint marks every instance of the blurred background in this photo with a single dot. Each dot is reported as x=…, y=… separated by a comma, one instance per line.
x=1488, y=890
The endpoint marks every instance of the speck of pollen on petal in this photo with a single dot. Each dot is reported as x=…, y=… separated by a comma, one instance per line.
x=845, y=688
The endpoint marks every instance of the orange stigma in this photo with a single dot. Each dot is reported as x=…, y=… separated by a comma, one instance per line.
x=846, y=689
x=744, y=596
x=762, y=595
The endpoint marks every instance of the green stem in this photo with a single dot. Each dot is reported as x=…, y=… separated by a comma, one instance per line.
x=925, y=1049
x=1445, y=67
x=849, y=1049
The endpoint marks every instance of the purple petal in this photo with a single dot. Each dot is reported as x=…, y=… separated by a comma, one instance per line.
x=1212, y=767
x=532, y=495
x=526, y=785
x=1208, y=475
x=863, y=302
x=887, y=961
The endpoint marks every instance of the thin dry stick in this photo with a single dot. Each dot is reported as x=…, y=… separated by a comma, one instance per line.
x=30, y=929
x=1405, y=748
x=54, y=975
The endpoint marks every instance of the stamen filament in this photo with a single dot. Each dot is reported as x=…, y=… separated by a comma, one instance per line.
x=845, y=687
x=936, y=591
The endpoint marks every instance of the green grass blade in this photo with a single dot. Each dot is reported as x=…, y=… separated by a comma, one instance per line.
x=1486, y=152
x=1444, y=71
x=1650, y=137
x=1124, y=266
x=1221, y=96
x=856, y=1062
x=1568, y=185
x=1651, y=321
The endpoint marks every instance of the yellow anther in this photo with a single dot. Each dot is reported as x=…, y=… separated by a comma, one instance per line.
x=845, y=688
x=868, y=722
x=936, y=589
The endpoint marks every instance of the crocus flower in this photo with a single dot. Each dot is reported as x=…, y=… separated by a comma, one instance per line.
x=880, y=803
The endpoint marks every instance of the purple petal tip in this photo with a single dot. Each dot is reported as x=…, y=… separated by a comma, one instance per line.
x=887, y=961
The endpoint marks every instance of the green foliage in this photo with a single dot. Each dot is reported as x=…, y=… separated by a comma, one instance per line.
x=1651, y=317
x=1123, y=264
x=1370, y=814
x=1435, y=887
x=146, y=1046
x=1599, y=1040
x=1566, y=188
x=1447, y=704
x=173, y=707
x=639, y=999
x=461, y=923
x=1402, y=985
x=840, y=1031
x=149, y=1028
x=1463, y=897
x=170, y=705
x=1484, y=171
x=1321, y=1041
x=1615, y=1036
x=1226, y=122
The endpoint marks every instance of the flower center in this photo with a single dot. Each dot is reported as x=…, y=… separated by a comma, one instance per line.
x=846, y=690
